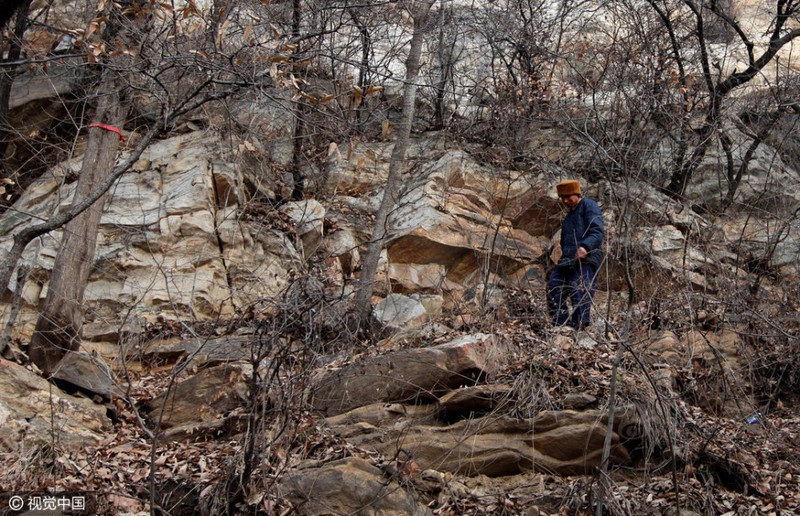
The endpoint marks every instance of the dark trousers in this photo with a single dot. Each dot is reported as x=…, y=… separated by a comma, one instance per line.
x=575, y=285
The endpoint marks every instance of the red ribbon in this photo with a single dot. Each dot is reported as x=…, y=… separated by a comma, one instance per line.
x=108, y=128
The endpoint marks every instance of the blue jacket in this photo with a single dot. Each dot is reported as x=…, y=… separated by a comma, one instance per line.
x=582, y=227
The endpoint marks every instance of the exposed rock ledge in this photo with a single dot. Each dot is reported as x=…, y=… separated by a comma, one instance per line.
x=565, y=442
x=432, y=406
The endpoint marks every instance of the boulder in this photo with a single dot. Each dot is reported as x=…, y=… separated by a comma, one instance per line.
x=447, y=223
x=33, y=412
x=420, y=374
x=347, y=486
x=89, y=373
x=209, y=395
x=397, y=311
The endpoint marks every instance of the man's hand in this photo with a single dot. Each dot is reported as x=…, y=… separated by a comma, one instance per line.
x=581, y=254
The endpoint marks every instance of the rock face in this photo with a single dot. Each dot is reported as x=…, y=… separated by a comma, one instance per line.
x=172, y=241
x=768, y=179
x=178, y=238
x=31, y=410
x=450, y=224
x=308, y=218
x=775, y=243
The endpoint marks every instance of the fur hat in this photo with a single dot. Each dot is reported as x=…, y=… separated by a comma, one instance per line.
x=569, y=187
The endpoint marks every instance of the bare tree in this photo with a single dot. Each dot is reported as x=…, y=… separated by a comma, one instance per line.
x=718, y=83
x=445, y=55
x=58, y=327
x=517, y=63
x=419, y=12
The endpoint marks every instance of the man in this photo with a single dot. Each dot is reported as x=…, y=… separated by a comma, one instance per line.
x=573, y=278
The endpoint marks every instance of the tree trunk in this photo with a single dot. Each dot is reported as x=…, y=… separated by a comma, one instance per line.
x=391, y=193
x=7, y=74
x=59, y=325
x=7, y=9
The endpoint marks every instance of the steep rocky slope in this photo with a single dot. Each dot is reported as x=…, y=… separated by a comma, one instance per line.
x=222, y=311
x=220, y=372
